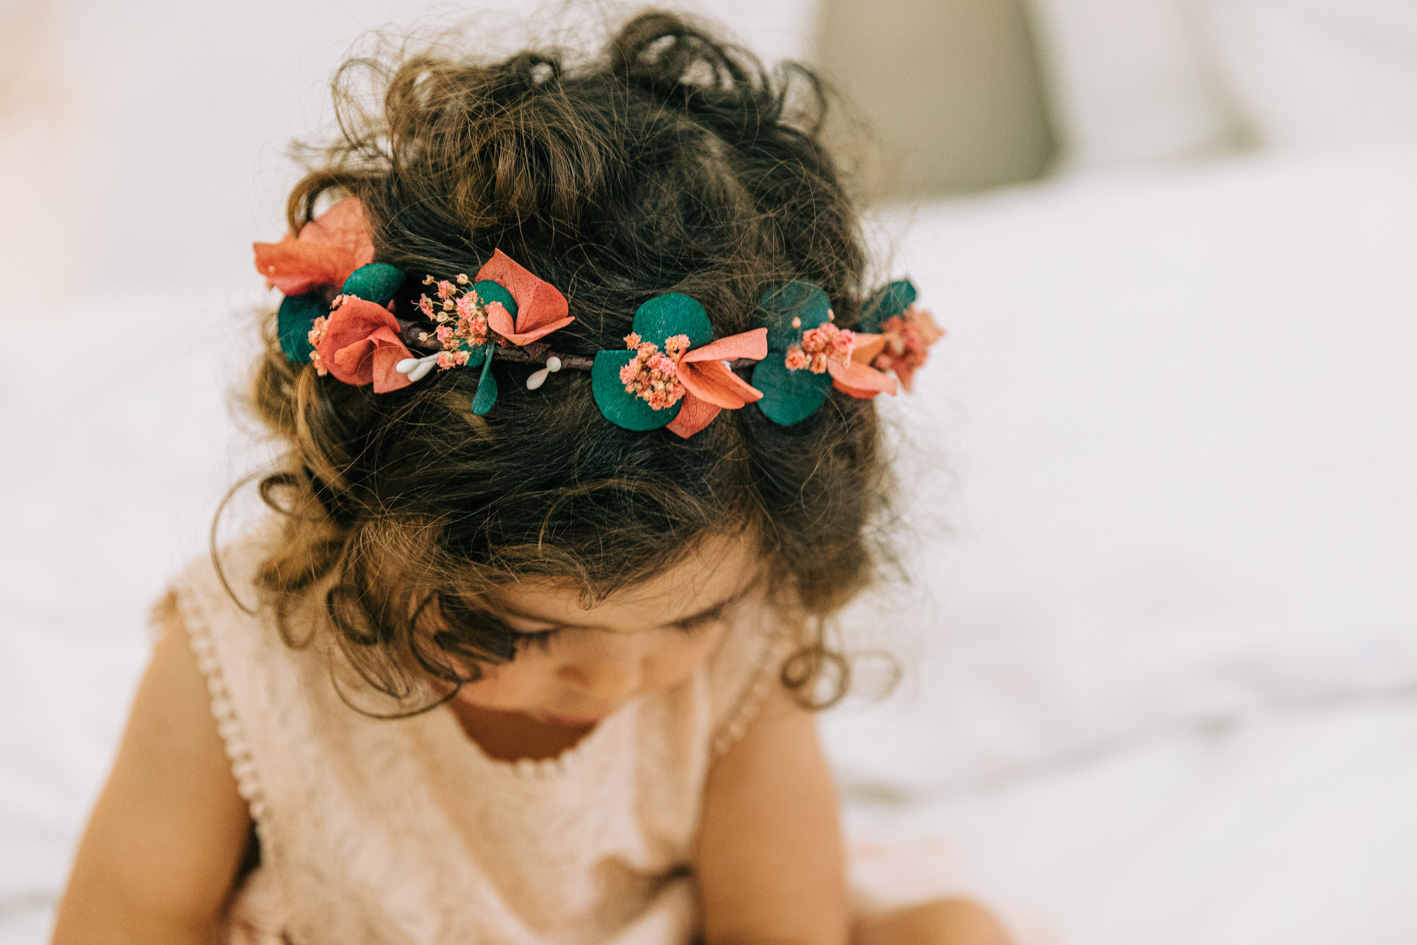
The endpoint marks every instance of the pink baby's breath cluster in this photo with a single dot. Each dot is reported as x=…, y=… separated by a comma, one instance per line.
x=317, y=335
x=461, y=316
x=653, y=376
x=819, y=345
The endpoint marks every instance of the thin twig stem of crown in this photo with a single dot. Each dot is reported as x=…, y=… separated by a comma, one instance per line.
x=535, y=353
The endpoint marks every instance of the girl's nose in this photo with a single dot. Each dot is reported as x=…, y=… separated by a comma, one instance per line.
x=606, y=679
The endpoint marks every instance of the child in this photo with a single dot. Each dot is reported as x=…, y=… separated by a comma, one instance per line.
x=574, y=373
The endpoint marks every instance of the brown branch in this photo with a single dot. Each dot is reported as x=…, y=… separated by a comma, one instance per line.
x=535, y=353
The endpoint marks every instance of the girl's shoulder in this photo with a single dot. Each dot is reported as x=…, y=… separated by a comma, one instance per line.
x=257, y=682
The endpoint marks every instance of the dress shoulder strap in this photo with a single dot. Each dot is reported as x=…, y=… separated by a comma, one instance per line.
x=743, y=671
x=236, y=650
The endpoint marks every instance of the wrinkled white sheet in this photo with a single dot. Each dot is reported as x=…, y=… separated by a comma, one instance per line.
x=1162, y=665
x=1176, y=414
x=1285, y=827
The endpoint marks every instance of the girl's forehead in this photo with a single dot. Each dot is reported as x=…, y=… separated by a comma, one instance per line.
x=712, y=571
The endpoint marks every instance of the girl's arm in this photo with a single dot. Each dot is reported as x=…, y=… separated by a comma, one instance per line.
x=157, y=862
x=770, y=863
x=769, y=859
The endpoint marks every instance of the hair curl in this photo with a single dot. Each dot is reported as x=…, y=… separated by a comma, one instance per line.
x=671, y=162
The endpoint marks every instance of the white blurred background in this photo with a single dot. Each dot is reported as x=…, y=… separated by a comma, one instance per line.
x=1162, y=663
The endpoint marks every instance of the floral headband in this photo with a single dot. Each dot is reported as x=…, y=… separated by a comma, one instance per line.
x=338, y=315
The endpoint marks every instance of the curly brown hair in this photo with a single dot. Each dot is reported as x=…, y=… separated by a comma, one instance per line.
x=672, y=161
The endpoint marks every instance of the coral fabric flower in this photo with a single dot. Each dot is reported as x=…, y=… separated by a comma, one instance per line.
x=905, y=342
x=846, y=356
x=709, y=386
x=903, y=333
x=673, y=372
x=698, y=377
x=541, y=308
x=328, y=249
x=360, y=345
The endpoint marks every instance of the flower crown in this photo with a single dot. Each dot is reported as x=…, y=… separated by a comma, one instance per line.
x=338, y=315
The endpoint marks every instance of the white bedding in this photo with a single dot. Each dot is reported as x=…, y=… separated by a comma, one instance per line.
x=1168, y=677
x=1166, y=686
x=1178, y=412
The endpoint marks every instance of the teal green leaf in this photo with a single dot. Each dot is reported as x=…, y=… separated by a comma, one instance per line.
x=779, y=306
x=376, y=282
x=788, y=396
x=293, y=323
x=886, y=302
x=475, y=353
x=489, y=291
x=486, y=394
x=618, y=405
x=673, y=314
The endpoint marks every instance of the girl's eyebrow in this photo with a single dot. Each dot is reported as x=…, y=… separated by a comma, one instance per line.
x=706, y=612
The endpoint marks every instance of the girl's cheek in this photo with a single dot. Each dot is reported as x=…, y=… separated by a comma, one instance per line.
x=681, y=661
x=502, y=687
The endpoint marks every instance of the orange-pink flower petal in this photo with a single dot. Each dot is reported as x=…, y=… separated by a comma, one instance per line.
x=748, y=344
x=860, y=381
x=501, y=322
x=541, y=308
x=328, y=249
x=712, y=381
x=867, y=347
x=905, y=371
x=361, y=346
x=694, y=414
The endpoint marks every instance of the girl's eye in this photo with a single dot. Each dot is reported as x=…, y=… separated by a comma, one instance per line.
x=699, y=622
x=540, y=639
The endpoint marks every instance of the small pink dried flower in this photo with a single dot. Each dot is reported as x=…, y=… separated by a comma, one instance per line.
x=653, y=376
x=461, y=318
x=317, y=335
x=675, y=346
x=819, y=345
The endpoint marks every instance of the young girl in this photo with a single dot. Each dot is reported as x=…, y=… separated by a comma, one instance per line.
x=574, y=375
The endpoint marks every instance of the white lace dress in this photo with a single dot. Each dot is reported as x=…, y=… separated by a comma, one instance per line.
x=403, y=832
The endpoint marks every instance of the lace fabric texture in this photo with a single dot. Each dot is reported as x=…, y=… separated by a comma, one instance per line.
x=397, y=831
